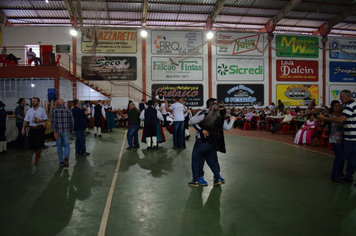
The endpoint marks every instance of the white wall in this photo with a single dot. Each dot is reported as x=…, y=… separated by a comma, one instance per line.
x=86, y=93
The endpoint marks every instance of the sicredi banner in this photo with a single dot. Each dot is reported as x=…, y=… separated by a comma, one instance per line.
x=297, y=94
x=293, y=70
x=342, y=71
x=341, y=48
x=112, y=68
x=177, y=42
x=239, y=44
x=192, y=92
x=241, y=94
x=109, y=40
x=239, y=69
x=335, y=89
x=167, y=69
x=297, y=46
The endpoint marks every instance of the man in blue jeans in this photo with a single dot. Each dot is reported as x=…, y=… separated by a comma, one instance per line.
x=134, y=120
x=62, y=124
x=178, y=122
x=80, y=126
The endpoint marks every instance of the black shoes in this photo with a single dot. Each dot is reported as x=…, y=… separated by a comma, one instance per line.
x=193, y=183
x=95, y=135
x=129, y=148
x=217, y=182
x=100, y=136
x=61, y=164
x=86, y=154
x=66, y=162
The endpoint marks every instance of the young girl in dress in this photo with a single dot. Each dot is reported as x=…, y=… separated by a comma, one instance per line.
x=305, y=133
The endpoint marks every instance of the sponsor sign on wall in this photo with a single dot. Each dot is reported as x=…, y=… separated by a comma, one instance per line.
x=342, y=71
x=192, y=92
x=112, y=68
x=291, y=70
x=164, y=68
x=239, y=44
x=297, y=46
x=297, y=94
x=240, y=94
x=239, y=69
x=108, y=40
x=335, y=89
x=177, y=42
x=342, y=48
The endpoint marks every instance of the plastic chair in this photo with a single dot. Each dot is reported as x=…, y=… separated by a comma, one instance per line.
x=57, y=59
x=324, y=135
x=286, y=127
x=247, y=124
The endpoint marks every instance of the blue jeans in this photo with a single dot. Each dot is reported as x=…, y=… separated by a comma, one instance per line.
x=80, y=138
x=178, y=134
x=203, y=150
x=350, y=157
x=63, y=142
x=338, y=166
x=133, y=131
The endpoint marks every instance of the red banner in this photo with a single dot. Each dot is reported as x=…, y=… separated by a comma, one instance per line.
x=291, y=70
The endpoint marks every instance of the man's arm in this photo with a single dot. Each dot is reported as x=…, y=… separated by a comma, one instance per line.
x=142, y=115
x=159, y=116
x=167, y=107
x=340, y=119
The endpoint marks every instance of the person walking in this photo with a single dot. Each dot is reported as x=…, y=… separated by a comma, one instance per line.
x=178, y=122
x=80, y=125
x=348, y=119
x=99, y=116
x=20, y=115
x=36, y=116
x=3, y=119
x=62, y=124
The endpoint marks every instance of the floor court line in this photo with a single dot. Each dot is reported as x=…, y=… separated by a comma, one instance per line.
x=105, y=217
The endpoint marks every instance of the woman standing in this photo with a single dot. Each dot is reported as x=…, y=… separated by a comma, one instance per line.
x=208, y=143
x=3, y=118
x=336, y=141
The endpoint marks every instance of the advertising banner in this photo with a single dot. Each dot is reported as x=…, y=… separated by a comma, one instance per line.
x=342, y=48
x=240, y=95
x=112, y=68
x=239, y=69
x=297, y=46
x=192, y=92
x=297, y=94
x=290, y=70
x=177, y=42
x=342, y=71
x=109, y=40
x=335, y=89
x=164, y=68
x=239, y=44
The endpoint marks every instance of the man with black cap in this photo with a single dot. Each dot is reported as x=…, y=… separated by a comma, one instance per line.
x=20, y=115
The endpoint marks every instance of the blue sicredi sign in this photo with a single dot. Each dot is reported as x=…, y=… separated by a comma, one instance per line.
x=342, y=71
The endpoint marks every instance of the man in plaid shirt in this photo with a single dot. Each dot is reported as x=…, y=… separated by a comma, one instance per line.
x=62, y=124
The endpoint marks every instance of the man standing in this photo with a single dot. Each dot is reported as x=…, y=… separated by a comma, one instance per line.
x=20, y=115
x=36, y=116
x=348, y=118
x=187, y=117
x=80, y=124
x=134, y=120
x=62, y=124
x=280, y=105
x=178, y=122
x=99, y=115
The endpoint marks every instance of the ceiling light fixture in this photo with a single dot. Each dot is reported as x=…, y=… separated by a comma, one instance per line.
x=32, y=85
x=144, y=33
x=73, y=32
x=210, y=35
x=46, y=1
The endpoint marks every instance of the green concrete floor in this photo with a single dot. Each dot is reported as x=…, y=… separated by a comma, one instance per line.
x=271, y=189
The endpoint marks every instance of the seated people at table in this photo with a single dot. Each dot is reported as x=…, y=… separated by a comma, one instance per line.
x=277, y=112
x=293, y=112
x=305, y=133
x=267, y=111
x=256, y=107
x=262, y=122
x=10, y=57
x=31, y=57
x=312, y=104
x=287, y=118
x=241, y=121
x=321, y=126
x=272, y=106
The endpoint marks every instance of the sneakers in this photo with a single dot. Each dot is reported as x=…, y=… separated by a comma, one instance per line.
x=222, y=179
x=217, y=182
x=87, y=154
x=66, y=162
x=202, y=181
x=193, y=183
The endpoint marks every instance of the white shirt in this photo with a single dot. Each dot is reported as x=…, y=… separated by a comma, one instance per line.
x=178, y=111
x=256, y=106
x=157, y=97
x=40, y=113
x=163, y=109
x=30, y=55
x=102, y=111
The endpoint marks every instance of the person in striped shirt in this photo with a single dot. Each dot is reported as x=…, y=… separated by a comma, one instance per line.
x=348, y=119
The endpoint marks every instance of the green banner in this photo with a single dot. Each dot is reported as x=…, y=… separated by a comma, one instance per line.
x=297, y=46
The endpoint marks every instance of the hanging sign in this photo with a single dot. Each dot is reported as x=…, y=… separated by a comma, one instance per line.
x=291, y=70
x=239, y=44
x=297, y=94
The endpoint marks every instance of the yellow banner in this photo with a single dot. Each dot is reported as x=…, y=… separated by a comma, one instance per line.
x=297, y=94
x=109, y=40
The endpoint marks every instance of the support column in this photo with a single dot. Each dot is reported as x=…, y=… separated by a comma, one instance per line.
x=210, y=86
x=56, y=85
x=270, y=70
x=75, y=90
x=324, y=69
x=74, y=46
x=144, y=68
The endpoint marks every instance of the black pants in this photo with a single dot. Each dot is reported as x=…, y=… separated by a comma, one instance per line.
x=20, y=140
x=277, y=127
x=202, y=161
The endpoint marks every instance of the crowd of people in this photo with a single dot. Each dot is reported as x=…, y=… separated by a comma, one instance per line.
x=338, y=122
